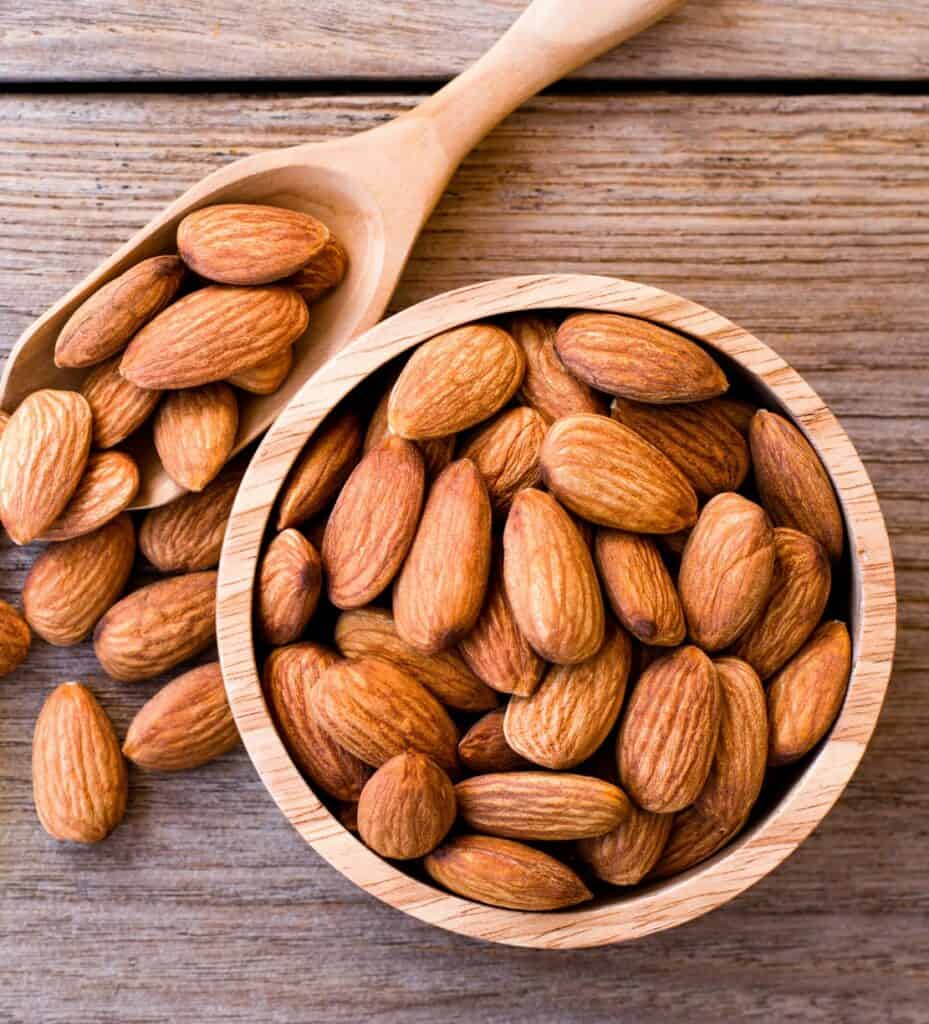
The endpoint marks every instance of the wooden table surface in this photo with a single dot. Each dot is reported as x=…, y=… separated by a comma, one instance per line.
x=770, y=160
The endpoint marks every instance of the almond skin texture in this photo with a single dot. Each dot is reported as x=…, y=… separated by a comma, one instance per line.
x=609, y=475
x=793, y=485
x=506, y=452
x=289, y=675
x=212, y=334
x=699, y=440
x=155, y=628
x=726, y=570
x=455, y=381
x=627, y=854
x=79, y=779
x=573, y=710
x=371, y=633
x=119, y=408
x=550, y=580
x=797, y=600
x=437, y=453
x=376, y=711
x=43, y=453
x=289, y=584
x=639, y=587
x=15, y=639
x=669, y=731
x=505, y=874
x=805, y=696
x=329, y=456
x=266, y=377
x=195, y=432
x=72, y=584
x=241, y=243
x=547, y=386
x=637, y=359
x=186, y=724
x=109, y=483
x=104, y=324
x=407, y=807
x=372, y=525
x=483, y=748
x=324, y=272
x=540, y=805
x=440, y=589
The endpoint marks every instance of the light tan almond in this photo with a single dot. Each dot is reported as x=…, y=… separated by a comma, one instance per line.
x=119, y=408
x=506, y=452
x=483, y=748
x=627, y=854
x=289, y=584
x=15, y=639
x=325, y=271
x=266, y=377
x=109, y=483
x=437, y=452
x=195, y=431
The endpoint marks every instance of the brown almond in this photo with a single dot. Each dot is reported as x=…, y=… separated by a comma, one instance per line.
x=109, y=483
x=506, y=452
x=194, y=433
x=347, y=813
x=266, y=377
x=325, y=271
x=737, y=411
x=119, y=408
x=15, y=639
x=437, y=452
x=483, y=748
x=289, y=584
x=627, y=854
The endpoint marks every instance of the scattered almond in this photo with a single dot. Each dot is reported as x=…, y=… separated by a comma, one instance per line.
x=109, y=483
x=15, y=639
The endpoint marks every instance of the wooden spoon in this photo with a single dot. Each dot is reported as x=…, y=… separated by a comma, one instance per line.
x=375, y=191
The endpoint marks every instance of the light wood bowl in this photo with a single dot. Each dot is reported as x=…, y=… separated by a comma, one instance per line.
x=816, y=785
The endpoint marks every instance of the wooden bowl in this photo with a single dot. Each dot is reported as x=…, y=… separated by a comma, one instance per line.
x=807, y=795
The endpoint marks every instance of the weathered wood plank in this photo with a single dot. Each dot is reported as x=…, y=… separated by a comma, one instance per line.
x=177, y=40
x=803, y=218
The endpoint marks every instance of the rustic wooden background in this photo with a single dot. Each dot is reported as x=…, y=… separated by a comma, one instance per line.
x=770, y=160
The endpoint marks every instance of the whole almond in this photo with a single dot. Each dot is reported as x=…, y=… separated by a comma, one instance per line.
x=15, y=639
x=186, y=724
x=79, y=779
x=797, y=600
x=573, y=710
x=109, y=483
x=103, y=324
x=639, y=587
x=289, y=584
x=637, y=359
x=506, y=452
x=407, y=807
x=43, y=453
x=793, y=484
x=243, y=243
x=266, y=377
x=212, y=334
x=627, y=854
x=669, y=731
x=437, y=452
x=505, y=874
x=726, y=570
x=483, y=748
x=195, y=431
x=550, y=580
x=805, y=696
x=157, y=627
x=371, y=633
x=119, y=408
x=72, y=584
x=440, y=590
x=540, y=805
x=611, y=476
x=324, y=272
x=454, y=381
x=372, y=525
x=289, y=675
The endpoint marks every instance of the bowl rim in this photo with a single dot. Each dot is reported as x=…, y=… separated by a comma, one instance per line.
x=740, y=864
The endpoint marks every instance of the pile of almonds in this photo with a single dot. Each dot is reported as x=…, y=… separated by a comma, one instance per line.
x=171, y=340
x=553, y=612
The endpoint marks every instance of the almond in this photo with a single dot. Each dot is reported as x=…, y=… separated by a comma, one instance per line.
x=43, y=452
x=505, y=874
x=243, y=243
x=157, y=627
x=371, y=633
x=673, y=544
x=454, y=381
x=103, y=324
x=407, y=807
x=212, y=334
x=437, y=452
x=737, y=411
x=289, y=583
x=347, y=813
x=372, y=525
x=325, y=271
x=289, y=675
x=506, y=452
x=483, y=748
x=550, y=580
x=805, y=696
x=726, y=570
x=796, y=602
x=572, y=712
x=540, y=805
x=109, y=483
x=72, y=584
x=266, y=377
x=79, y=779
x=195, y=431
x=669, y=731
x=611, y=476
x=119, y=408
x=637, y=359
x=186, y=724
x=627, y=854
x=15, y=639
x=439, y=592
